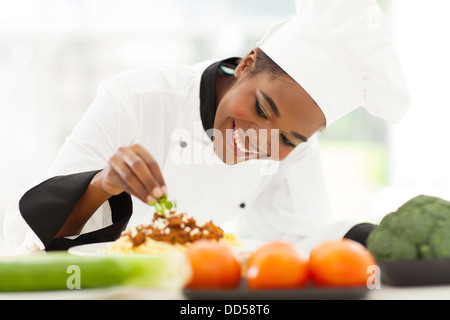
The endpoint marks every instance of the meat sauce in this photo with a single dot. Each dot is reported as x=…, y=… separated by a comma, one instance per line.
x=174, y=228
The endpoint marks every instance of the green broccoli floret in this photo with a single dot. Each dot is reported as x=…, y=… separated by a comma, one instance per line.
x=419, y=229
x=385, y=245
x=440, y=240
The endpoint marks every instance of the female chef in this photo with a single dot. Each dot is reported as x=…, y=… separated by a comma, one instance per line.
x=233, y=141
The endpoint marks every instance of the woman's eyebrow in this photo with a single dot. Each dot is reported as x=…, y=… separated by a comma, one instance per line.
x=272, y=104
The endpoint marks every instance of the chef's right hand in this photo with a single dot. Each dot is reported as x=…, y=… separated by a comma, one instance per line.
x=133, y=170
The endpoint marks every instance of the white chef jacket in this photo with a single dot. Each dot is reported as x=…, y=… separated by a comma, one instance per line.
x=158, y=107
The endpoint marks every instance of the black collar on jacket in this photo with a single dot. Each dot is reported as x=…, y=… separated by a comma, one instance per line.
x=207, y=92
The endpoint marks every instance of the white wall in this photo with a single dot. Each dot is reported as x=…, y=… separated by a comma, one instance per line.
x=419, y=146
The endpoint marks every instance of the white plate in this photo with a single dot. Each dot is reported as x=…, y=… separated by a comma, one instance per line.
x=93, y=249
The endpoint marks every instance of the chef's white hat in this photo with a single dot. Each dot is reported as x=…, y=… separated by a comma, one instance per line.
x=341, y=53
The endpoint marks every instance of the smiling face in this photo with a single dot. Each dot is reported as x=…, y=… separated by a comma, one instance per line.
x=262, y=116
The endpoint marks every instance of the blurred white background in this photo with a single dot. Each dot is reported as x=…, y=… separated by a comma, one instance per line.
x=55, y=53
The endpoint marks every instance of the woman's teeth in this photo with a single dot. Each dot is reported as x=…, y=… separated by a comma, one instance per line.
x=240, y=145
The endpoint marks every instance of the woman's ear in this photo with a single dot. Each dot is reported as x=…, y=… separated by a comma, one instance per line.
x=246, y=64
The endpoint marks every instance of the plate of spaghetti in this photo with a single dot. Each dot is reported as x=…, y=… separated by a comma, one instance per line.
x=170, y=233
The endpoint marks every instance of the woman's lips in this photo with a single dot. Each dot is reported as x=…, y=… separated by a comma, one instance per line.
x=237, y=142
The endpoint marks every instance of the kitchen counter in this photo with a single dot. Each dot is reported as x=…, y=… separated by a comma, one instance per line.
x=125, y=293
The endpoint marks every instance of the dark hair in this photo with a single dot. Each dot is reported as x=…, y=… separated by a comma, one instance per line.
x=265, y=64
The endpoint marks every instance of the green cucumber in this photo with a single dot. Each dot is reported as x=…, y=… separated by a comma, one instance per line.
x=58, y=271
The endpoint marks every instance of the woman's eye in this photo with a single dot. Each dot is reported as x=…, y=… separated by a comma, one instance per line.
x=259, y=110
x=286, y=141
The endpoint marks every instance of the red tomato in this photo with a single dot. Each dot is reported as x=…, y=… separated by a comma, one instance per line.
x=340, y=263
x=277, y=265
x=213, y=265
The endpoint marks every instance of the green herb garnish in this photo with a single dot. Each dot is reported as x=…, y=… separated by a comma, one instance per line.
x=163, y=206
